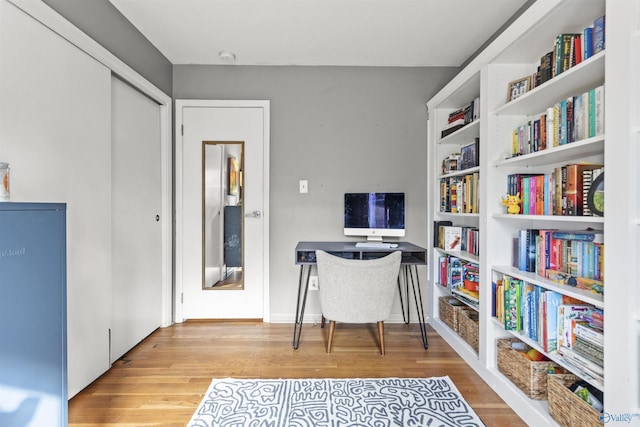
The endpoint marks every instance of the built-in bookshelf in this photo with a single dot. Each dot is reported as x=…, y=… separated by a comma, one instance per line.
x=522, y=150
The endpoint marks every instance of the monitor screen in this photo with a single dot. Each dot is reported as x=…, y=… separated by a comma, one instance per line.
x=374, y=215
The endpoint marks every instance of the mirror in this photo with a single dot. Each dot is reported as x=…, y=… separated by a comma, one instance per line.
x=222, y=215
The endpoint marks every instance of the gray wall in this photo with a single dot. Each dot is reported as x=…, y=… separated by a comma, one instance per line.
x=342, y=129
x=105, y=24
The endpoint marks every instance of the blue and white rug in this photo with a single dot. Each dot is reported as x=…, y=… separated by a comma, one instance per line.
x=384, y=402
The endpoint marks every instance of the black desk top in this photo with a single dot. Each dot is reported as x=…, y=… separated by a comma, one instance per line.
x=411, y=254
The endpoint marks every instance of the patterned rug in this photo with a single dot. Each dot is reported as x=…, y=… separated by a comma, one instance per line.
x=433, y=402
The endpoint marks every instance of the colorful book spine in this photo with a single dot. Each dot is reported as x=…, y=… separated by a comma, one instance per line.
x=587, y=43
x=598, y=34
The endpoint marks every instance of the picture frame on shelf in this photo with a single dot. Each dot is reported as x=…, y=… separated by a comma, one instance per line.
x=519, y=87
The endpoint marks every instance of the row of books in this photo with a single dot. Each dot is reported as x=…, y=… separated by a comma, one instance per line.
x=572, y=119
x=574, y=258
x=459, y=194
x=559, y=324
x=456, y=238
x=460, y=277
x=569, y=50
x=582, y=342
x=461, y=117
x=565, y=191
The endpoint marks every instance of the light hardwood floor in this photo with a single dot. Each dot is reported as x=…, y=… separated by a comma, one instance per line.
x=161, y=381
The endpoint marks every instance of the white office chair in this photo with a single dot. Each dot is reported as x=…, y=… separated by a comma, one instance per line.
x=357, y=291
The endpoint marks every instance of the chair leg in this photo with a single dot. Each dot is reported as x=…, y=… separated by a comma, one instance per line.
x=381, y=336
x=332, y=328
x=322, y=321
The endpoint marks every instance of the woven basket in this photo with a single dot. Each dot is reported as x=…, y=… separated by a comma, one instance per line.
x=566, y=408
x=529, y=376
x=449, y=308
x=468, y=327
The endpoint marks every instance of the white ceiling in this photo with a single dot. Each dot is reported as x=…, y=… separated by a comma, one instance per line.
x=319, y=32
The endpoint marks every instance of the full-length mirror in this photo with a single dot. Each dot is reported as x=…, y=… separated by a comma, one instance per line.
x=222, y=215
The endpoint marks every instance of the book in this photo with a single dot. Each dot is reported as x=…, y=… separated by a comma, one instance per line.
x=591, y=113
x=566, y=314
x=580, y=111
x=588, y=235
x=599, y=110
x=589, y=333
x=550, y=127
x=552, y=301
x=527, y=249
x=569, y=121
x=545, y=70
x=564, y=278
x=511, y=304
x=598, y=34
x=587, y=43
x=575, y=187
x=582, y=363
x=455, y=273
x=436, y=233
x=452, y=238
x=590, y=351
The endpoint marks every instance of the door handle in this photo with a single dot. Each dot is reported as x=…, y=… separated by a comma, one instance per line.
x=254, y=214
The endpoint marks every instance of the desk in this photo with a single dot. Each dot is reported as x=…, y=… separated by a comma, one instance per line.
x=412, y=257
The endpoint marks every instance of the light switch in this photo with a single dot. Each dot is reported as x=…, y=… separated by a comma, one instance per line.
x=304, y=186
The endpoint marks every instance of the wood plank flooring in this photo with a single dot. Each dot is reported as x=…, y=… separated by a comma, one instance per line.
x=161, y=381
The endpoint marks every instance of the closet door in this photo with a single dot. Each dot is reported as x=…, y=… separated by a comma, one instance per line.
x=55, y=131
x=136, y=203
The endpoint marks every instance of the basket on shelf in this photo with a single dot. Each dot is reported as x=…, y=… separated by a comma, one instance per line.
x=530, y=376
x=468, y=327
x=450, y=308
x=565, y=407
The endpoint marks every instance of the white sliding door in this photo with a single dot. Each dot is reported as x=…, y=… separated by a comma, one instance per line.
x=136, y=217
x=55, y=131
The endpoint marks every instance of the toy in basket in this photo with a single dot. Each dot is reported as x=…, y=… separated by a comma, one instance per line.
x=565, y=407
x=518, y=365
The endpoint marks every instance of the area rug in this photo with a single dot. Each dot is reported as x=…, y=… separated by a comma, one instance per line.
x=433, y=402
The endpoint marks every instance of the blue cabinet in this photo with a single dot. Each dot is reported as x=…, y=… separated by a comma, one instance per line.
x=33, y=314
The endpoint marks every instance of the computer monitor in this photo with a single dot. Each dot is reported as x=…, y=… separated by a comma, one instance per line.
x=374, y=215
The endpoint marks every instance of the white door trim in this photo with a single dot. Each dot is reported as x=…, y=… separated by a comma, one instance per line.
x=180, y=104
x=58, y=24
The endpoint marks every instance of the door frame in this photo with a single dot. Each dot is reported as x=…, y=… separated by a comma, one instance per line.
x=179, y=213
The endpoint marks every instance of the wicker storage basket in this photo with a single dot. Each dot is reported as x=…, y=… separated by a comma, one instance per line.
x=528, y=375
x=468, y=327
x=566, y=408
x=449, y=309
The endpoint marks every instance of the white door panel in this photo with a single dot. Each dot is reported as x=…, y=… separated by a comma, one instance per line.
x=136, y=207
x=220, y=121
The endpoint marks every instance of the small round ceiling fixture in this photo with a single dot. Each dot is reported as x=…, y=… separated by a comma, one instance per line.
x=227, y=56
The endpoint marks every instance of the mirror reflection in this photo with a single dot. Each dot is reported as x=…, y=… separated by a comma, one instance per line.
x=222, y=215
